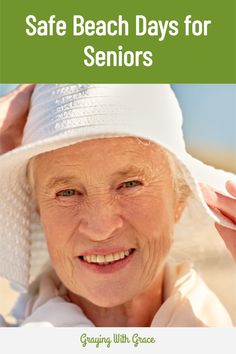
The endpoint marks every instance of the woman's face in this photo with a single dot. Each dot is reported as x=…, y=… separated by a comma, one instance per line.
x=111, y=200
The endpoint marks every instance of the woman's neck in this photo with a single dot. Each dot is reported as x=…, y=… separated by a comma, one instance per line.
x=139, y=312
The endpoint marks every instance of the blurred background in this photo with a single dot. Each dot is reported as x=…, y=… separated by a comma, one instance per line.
x=209, y=115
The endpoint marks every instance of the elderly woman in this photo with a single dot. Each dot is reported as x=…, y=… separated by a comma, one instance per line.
x=103, y=170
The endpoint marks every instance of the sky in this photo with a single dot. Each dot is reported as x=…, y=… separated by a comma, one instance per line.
x=209, y=113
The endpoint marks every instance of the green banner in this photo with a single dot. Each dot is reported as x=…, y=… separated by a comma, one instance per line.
x=171, y=41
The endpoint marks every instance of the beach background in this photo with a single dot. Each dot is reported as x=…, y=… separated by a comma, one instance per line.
x=209, y=113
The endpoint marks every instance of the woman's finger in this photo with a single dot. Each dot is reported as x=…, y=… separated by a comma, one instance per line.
x=21, y=88
x=20, y=97
x=231, y=188
x=14, y=106
x=14, y=109
x=225, y=204
x=229, y=237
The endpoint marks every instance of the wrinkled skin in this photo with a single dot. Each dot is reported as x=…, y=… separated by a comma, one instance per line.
x=102, y=210
x=13, y=116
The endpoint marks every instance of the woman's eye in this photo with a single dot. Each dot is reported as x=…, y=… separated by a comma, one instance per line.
x=131, y=184
x=67, y=193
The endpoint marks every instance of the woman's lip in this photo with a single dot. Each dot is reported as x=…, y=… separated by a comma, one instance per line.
x=109, y=268
x=101, y=251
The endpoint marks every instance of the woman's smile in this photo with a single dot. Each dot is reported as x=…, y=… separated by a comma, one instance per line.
x=107, y=263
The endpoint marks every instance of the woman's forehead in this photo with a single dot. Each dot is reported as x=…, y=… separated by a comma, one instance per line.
x=116, y=146
x=116, y=155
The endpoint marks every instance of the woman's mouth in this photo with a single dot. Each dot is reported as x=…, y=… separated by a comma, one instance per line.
x=107, y=263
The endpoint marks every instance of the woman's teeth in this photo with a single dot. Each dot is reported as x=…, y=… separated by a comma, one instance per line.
x=108, y=259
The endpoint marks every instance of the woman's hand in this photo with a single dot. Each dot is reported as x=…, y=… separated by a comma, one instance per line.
x=226, y=206
x=14, y=109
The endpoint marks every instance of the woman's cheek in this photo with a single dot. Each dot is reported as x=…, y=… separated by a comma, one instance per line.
x=145, y=212
x=59, y=221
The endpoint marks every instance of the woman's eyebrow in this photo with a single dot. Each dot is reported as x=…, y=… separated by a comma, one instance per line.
x=54, y=182
x=57, y=181
x=130, y=170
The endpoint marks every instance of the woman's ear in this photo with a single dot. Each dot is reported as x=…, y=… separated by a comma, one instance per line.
x=179, y=209
x=37, y=209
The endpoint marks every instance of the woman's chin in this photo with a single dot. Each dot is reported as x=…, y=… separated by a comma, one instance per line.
x=109, y=297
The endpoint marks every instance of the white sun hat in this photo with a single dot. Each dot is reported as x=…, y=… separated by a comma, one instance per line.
x=64, y=114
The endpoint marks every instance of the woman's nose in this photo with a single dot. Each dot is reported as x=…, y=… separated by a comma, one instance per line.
x=100, y=222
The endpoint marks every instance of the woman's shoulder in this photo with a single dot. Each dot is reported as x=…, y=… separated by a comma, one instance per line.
x=188, y=301
x=49, y=306
x=3, y=323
